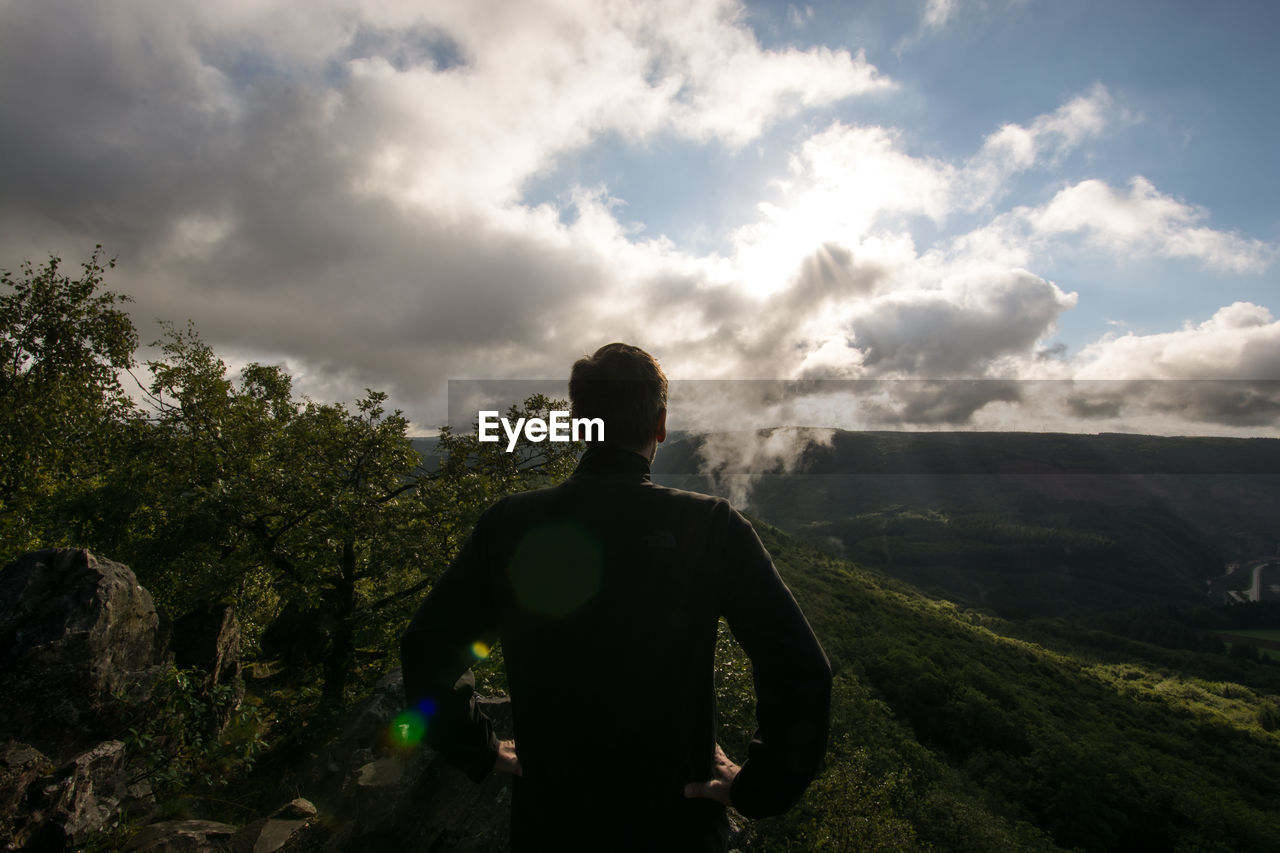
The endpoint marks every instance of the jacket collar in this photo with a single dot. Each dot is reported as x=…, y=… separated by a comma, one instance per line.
x=604, y=459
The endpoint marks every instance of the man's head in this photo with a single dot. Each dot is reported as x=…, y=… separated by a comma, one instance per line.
x=625, y=387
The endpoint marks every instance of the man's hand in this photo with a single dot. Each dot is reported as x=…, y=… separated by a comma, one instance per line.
x=507, y=761
x=723, y=773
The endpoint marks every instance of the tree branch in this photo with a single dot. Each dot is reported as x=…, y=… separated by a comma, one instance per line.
x=395, y=596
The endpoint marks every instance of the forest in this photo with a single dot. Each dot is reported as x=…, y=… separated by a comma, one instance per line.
x=1118, y=721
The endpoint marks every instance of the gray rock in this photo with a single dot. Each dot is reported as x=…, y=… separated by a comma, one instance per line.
x=79, y=642
x=296, y=809
x=183, y=836
x=209, y=638
x=20, y=767
x=377, y=795
x=82, y=797
x=273, y=833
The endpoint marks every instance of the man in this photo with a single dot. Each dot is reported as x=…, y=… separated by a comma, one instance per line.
x=605, y=592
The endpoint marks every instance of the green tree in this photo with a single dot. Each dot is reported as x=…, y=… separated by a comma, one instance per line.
x=63, y=413
x=269, y=500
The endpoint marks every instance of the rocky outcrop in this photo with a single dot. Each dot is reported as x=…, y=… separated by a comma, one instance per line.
x=278, y=830
x=21, y=766
x=183, y=836
x=64, y=809
x=79, y=643
x=376, y=795
x=209, y=638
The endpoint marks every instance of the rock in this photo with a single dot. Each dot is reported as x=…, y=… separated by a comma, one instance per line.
x=273, y=833
x=79, y=642
x=296, y=809
x=20, y=767
x=377, y=795
x=383, y=773
x=183, y=836
x=369, y=723
x=82, y=797
x=209, y=638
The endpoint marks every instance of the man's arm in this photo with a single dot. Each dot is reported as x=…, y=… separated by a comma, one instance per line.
x=792, y=680
x=443, y=640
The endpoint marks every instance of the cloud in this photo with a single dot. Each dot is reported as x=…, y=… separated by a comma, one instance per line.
x=937, y=13
x=1148, y=222
x=799, y=17
x=960, y=329
x=847, y=180
x=1240, y=341
x=342, y=187
x=735, y=461
x=1220, y=374
x=1014, y=148
x=848, y=186
x=339, y=186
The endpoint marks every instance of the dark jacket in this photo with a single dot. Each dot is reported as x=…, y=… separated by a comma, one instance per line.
x=605, y=592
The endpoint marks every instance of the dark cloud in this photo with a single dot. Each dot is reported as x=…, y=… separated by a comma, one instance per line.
x=832, y=272
x=1095, y=404
x=960, y=330
x=282, y=254
x=1217, y=402
x=1238, y=403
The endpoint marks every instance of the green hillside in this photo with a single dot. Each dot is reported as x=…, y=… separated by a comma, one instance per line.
x=953, y=730
x=1022, y=524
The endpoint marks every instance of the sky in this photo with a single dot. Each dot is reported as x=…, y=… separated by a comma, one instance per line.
x=936, y=214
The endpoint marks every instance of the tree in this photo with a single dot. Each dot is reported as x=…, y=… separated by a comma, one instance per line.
x=229, y=488
x=269, y=501
x=63, y=344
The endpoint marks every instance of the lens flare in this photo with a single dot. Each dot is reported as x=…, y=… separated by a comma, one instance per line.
x=556, y=569
x=480, y=650
x=408, y=728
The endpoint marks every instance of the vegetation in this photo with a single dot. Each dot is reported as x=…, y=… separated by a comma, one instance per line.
x=63, y=343
x=314, y=518
x=1129, y=726
x=957, y=730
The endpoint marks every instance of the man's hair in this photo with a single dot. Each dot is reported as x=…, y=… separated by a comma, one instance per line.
x=624, y=386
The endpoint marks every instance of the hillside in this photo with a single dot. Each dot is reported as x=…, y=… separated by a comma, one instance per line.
x=1023, y=524
x=956, y=730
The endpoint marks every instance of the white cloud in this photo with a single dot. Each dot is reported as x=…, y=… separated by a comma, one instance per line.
x=846, y=183
x=541, y=82
x=1240, y=341
x=1148, y=222
x=937, y=13
x=1014, y=148
x=799, y=17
